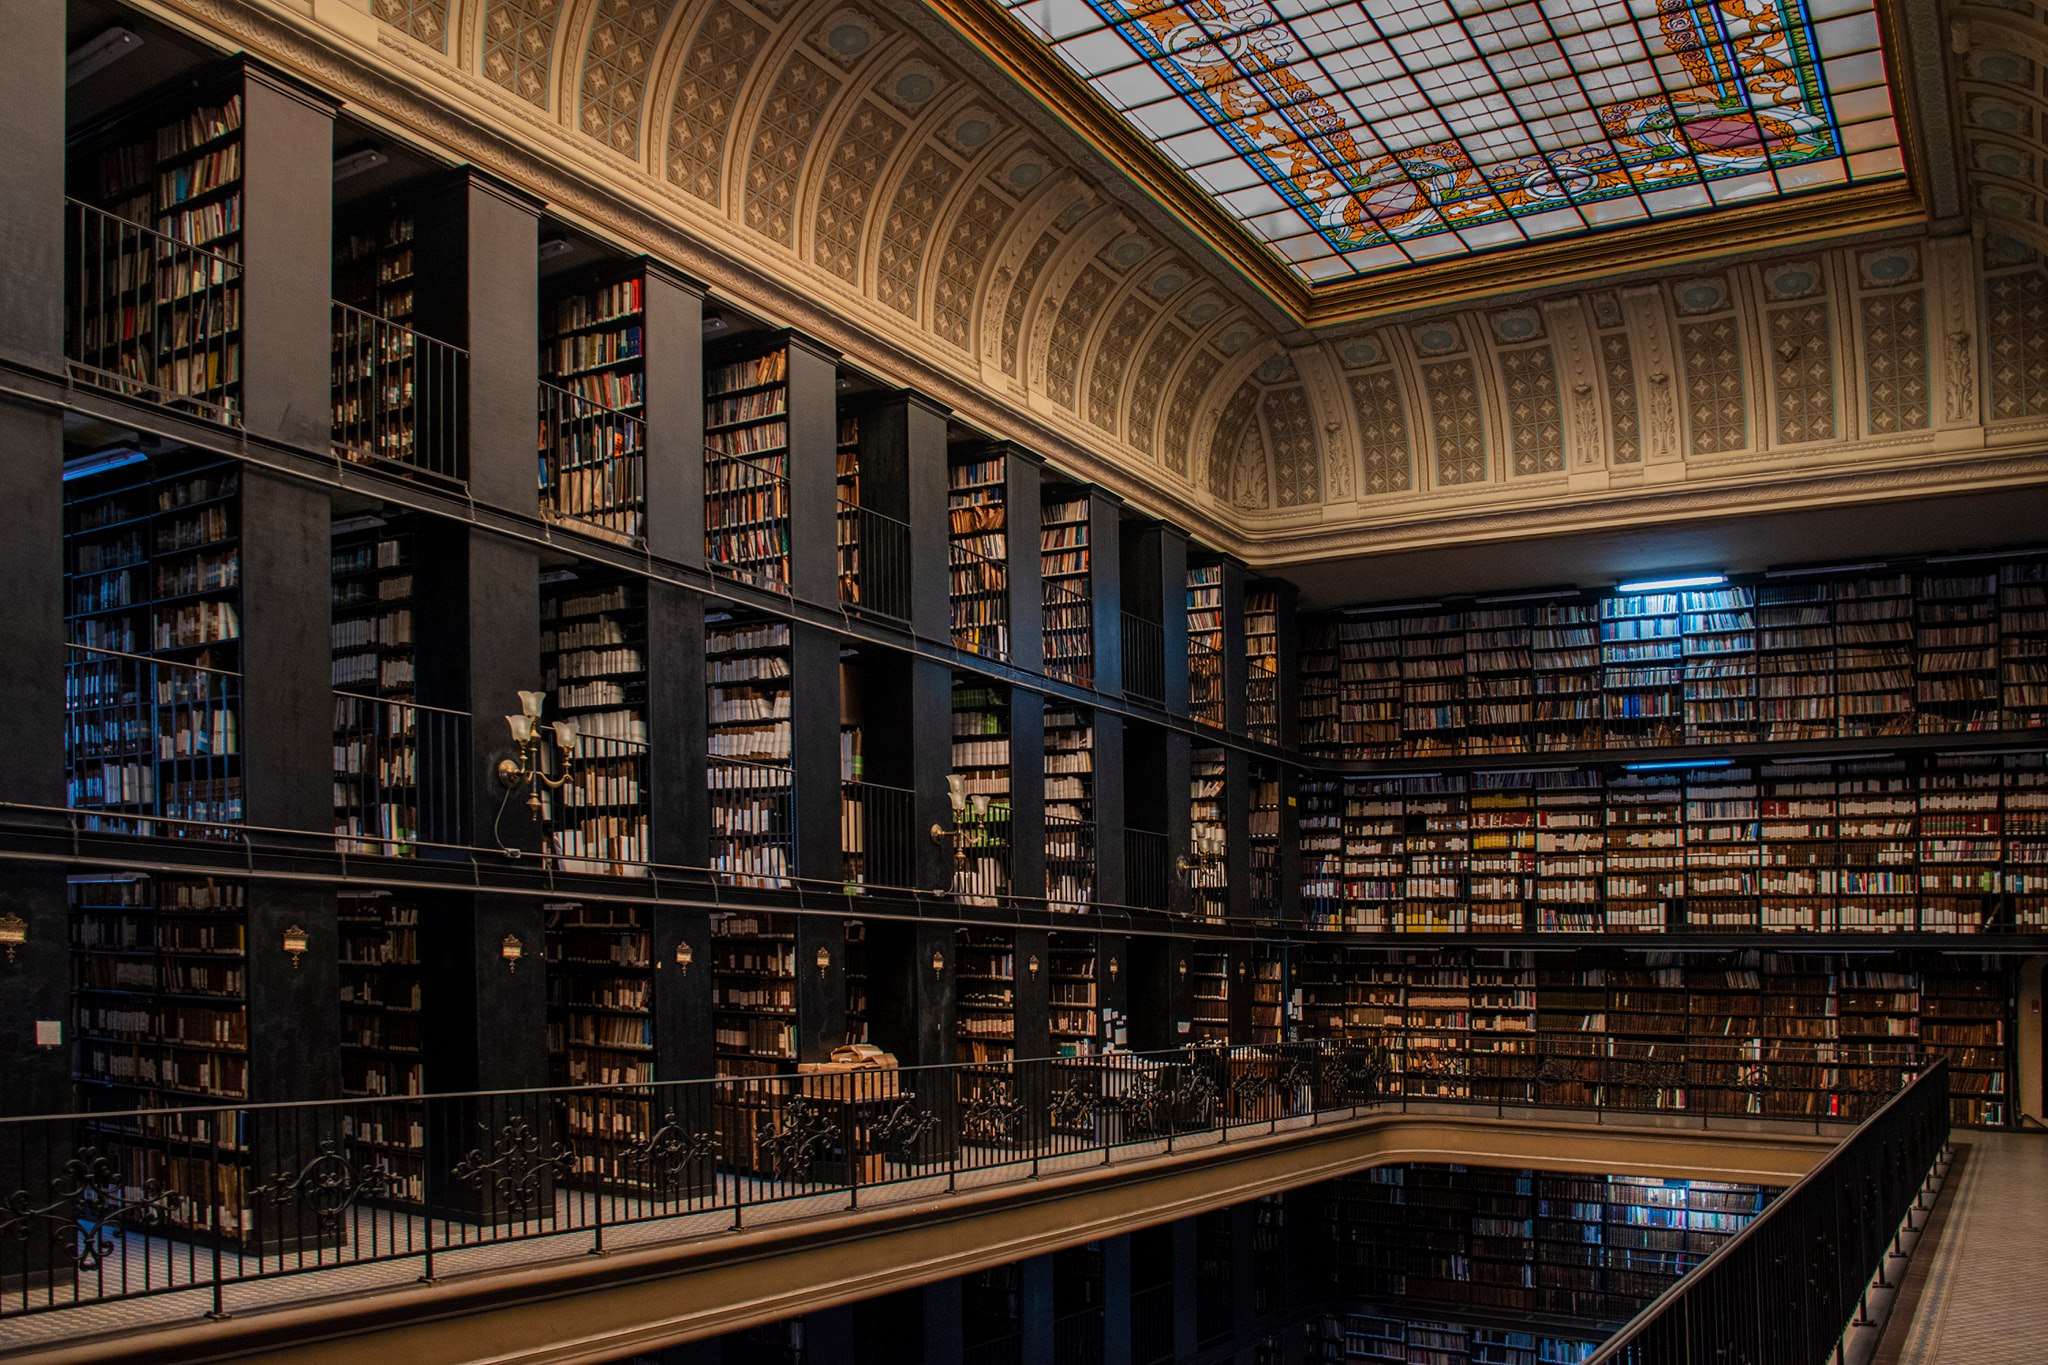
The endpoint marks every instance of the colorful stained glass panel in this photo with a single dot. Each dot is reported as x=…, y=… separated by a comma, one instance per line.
x=1357, y=137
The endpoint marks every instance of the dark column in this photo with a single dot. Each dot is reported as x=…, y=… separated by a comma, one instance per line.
x=1113, y=978
x=1106, y=588
x=1176, y=779
x=287, y=737
x=479, y=288
x=1173, y=613
x=1032, y=993
x=910, y=1004
x=1243, y=1219
x=944, y=1318
x=813, y=483
x=1287, y=655
x=1035, y=1308
x=1186, y=1288
x=908, y=738
x=828, y=1336
x=1290, y=843
x=1237, y=825
x=673, y=356
x=903, y=475
x=1161, y=994
x=1027, y=792
x=287, y=255
x=814, y=752
x=679, y=821
x=1234, y=664
x=1024, y=475
x=1111, y=809
x=32, y=211
x=682, y=994
x=1116, y=1300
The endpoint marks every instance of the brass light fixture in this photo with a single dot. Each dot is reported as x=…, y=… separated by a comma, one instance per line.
x=1183, y=969
x=938, y=961
x=824, y=960
x=1031, y=965
x=526, y=770
x=685, y=955
x=962, y=829
x=296, y=944
x=1202, y=864
x=511, y=949
x=13, y=934
x=1112, y=969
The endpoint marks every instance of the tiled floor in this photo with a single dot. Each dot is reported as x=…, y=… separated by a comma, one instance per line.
x=1985, y=1297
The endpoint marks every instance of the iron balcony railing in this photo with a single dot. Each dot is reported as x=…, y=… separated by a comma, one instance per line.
x=980, y=588
x=1069, y=631
x=1791, y=1285
x=1205, y=684
x=593, y=466
x=1069, y=864
x=157, y=315
x=981, y=855
x=1144, y=644
x=398, y=397
x=746, y=517
x=597, y=821
x=196, y=1201
x=878, y=835
x=400, y=775
x=1148, y=868
x=149, y=737
x=874, y=562
x=753, y=822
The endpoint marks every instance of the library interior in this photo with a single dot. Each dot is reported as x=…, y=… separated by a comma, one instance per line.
x=1119, y=681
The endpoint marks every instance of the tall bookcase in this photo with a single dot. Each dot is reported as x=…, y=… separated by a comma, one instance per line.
x=1208, y=871
x=981, y=760
x=2023, y=644
x=375, y=378
x=1075, y=1005
x=1069, y=808
x=153, y=599
x=753, y=1021
x=601, y=1031
x=594, y=662
x=1433, y=681
x=985, y=1022
x=746, y=467
x=1564, y=654
x=594, y=348
x=1718, y=627
x=376, y=735
x=1262, y=664
x=1205, y=644
x=846, y=511
x=382, y=1042
x=1321, y=826
x=151, y=319
x=1369, y=686
x=747, y=684
x=1209, y=983
x=1641, y=656
x=1499, y=705
x=162, y=1022
x=1064, y=560
x=978, y=519
x=1318, y=690
x=1956, y=652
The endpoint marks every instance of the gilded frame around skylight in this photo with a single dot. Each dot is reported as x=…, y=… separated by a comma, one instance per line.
x=1867, y=205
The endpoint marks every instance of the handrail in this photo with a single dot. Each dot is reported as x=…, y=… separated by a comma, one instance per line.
x=1748, y=1301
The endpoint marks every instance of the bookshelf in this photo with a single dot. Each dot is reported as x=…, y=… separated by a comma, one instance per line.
x=1075, y=1006
x=1264, y=841
x=594, y=348
x=161, y=1015
x=594, y=663
x=601, y=1033
x=1438, y=847
x=1320, y=822
x=152, y=319
x=1435, y=1025
x=856, y=981
x=978, y=524
x=748, y=695
x=1961, y=847
x=1646, y=1025
x=1208, y=873
x=1269, y=994
x=1318, y=691
x=1501, y=825
x=1205, y=644
x=981, y=762
x=1571, y=851
x=985, y=1020
x=1209, y=979
x=1432, y=682
x=753, y=1025
x=375, y=376
x=1645, y=851
x=1722, y=852
x=2023, y=644
x=1499, y=684
x=1375, y=853
x=1640, y=656
x=381, y=1037
x=1718, y=628
x=1502, y=1041
x=153, y=612
x=1262, y=664
x=1369, y=686
x=1795, y=661
x=376, y=736
x=2026, y=840
x=1956, y=652
x=1064, y=560
x=846, y=511
x=1962, y=1020
x=1069, y=808
x=746, y=467
x=1724, y=1023
x=1873, y=655
x=1568, y=708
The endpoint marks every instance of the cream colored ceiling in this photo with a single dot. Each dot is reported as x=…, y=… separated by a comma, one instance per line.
x=960, y=238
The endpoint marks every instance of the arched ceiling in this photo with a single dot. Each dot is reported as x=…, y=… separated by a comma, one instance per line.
x=863, y=159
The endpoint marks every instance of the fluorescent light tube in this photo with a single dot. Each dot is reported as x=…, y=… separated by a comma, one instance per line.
x=1677, y=763
x=99, y=54
x=357, y=162
x=1704, y=580
x=101, y=463
x=553, y=247
x=350, y=525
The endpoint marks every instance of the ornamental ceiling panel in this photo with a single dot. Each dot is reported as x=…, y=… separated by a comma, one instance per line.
x=1354, y=140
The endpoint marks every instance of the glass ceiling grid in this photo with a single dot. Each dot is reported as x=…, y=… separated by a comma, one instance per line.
x=1360, y=136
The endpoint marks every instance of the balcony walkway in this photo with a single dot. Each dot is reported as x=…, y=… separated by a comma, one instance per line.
x=1978, y=1291
x=696, y=1275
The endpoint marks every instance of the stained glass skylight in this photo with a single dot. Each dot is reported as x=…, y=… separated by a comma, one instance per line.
x=1358, y=137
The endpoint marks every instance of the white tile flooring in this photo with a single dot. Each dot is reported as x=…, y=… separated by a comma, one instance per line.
x=1985, y=1297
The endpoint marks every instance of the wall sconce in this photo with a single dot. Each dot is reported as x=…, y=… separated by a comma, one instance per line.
x=13, y=934
x=938, y=961
x=1112, y=969
x=962, y=829
x=685, y=955
x=824, y=960
x=525, y=770
x=511, y=949
x=296, y=944
x=1202, y=864
x=1183, y=969
x=1031, y=965
x=1240, y=969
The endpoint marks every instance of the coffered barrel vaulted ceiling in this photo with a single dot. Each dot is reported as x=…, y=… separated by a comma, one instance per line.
x=1621, y=261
